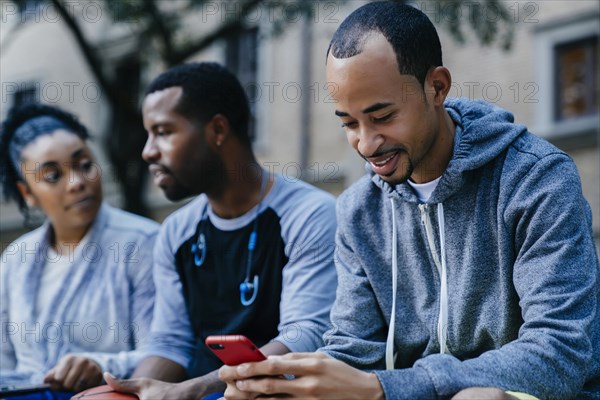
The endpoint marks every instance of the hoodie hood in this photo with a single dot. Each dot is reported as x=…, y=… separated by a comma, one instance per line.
x=483, y=131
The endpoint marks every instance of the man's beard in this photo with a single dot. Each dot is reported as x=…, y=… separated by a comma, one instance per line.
x=177, y=191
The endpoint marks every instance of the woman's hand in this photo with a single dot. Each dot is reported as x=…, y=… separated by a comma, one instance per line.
x=74, y=374
x=152, y=389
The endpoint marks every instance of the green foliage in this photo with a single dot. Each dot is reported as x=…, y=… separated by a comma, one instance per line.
x=490, y=20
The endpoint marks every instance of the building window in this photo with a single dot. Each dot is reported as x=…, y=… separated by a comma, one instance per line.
x=577, y=84
x=26, y=93
x=566, y=70
x=241, y=57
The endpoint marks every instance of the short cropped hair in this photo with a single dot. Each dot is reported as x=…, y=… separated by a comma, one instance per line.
x=411, y=34
x=208, y=89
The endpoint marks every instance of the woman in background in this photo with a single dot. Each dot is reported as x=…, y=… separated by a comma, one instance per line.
x=76, y=293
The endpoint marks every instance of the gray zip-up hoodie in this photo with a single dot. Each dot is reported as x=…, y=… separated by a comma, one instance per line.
x=497, y=279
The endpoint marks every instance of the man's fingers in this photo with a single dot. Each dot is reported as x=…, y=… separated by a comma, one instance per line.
x=228, y=374
x=273, y=366
x=123, y=385
x=268, y=377
x=284, y=365
x=268, y=386
x=300, y=356
x=231, y=393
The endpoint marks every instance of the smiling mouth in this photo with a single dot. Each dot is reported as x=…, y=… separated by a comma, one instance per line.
x=386, y=164
x=383, y=162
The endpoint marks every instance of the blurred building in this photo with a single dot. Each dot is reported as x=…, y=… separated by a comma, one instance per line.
x=549, y=79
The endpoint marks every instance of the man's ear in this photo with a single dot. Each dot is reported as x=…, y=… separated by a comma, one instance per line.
x=25, y=192
x=440, y=81
x=218, y=130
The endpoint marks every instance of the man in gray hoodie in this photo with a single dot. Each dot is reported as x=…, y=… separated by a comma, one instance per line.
x=465, y=260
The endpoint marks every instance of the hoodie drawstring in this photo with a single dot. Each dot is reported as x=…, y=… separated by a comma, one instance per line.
x=389, y=346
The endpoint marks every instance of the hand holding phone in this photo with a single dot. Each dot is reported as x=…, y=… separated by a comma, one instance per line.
x=234, y=349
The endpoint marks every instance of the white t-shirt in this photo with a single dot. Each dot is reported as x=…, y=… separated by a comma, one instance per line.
x=424, y=190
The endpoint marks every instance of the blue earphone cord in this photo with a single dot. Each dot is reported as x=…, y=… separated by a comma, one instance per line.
x=254, y=234
x=200, y=247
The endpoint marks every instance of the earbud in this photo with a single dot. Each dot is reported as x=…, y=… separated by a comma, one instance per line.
x=199, y=250
x=246, y=287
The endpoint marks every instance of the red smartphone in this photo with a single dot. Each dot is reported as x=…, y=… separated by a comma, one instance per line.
x=234, y=349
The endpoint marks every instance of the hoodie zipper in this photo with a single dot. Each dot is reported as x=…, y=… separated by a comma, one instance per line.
x=440, y=263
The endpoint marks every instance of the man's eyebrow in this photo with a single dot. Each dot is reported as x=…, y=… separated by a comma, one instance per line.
x=376, y=107
x=370, y=109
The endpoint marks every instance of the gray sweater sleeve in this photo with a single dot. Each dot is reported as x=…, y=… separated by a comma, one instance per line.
x=309, y=275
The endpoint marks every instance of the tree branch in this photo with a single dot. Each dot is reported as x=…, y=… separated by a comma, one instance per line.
x=161, y=28
x=88, y=52
x=231, y=27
